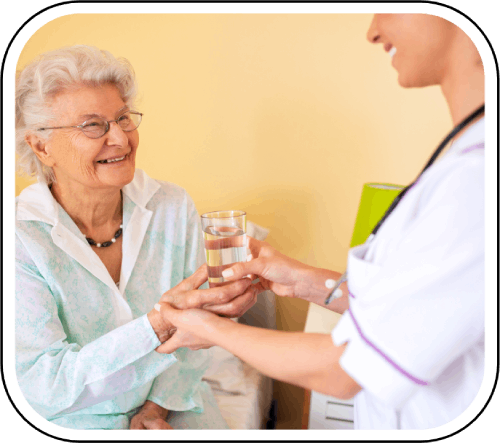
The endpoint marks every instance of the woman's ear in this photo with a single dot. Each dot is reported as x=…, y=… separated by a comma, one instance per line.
x=39, y=147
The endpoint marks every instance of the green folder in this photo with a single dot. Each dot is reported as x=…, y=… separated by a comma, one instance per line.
x=375, y=200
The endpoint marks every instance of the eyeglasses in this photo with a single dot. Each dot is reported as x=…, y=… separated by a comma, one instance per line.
x=96, y=127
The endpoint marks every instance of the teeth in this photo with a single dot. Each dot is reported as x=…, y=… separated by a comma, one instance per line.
x=112, y=160
x=392, y=51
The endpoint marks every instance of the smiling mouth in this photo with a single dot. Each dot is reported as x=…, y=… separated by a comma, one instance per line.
x=111, y=160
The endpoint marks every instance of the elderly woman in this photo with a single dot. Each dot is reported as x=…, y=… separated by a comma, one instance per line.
x=97, y=243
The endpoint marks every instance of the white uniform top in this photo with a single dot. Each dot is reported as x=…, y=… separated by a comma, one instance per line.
x=415, y=324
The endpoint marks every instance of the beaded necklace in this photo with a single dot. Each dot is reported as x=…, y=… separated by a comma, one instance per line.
x=107, y=243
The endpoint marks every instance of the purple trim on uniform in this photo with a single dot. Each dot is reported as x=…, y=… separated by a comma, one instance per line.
x=365, y=339
x=387, y=359
x=473, y=148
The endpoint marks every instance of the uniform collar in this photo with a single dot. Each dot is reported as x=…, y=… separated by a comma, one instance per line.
x=37, y=203
x=472, y=136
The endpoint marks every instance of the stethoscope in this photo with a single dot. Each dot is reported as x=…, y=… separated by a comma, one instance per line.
x=397, y=200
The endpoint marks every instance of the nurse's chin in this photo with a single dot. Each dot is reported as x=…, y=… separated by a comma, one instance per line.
x=414, y=80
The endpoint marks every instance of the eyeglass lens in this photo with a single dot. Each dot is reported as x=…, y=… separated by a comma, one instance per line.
x=97, y=127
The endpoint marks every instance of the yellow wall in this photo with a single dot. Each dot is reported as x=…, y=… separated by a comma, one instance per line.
x=282, y=115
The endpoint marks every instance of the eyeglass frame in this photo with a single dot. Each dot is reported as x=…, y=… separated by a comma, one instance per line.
x=108, y=125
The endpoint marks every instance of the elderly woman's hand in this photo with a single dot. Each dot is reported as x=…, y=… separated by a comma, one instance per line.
x=150, y=416
x=231, y=300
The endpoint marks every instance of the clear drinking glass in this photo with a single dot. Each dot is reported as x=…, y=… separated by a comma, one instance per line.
x=224, y=233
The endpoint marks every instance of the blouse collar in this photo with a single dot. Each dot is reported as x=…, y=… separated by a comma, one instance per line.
x=37, y=203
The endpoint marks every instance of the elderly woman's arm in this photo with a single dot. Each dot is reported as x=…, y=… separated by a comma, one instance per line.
x=67, y=376
x=70, y=377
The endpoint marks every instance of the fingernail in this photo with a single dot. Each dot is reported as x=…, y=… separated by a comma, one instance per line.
x=249, y=257
x=330, y=283
x=227, y=273
x=158, y=307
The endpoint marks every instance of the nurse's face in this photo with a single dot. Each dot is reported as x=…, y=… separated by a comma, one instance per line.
x=419, y=44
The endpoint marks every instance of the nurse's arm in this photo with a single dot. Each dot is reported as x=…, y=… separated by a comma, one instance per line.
x=288, y=277
x=310, y=361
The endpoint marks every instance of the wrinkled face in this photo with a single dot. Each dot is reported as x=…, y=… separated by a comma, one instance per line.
x=418, y=43
x=78, y=159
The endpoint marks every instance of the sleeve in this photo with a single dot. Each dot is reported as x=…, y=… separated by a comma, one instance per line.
x=59, y=377
x=424, y=307
x=177, y=389
x=195, y=252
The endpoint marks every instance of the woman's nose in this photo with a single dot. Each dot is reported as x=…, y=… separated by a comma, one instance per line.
x=373, y=35
x=116, y=135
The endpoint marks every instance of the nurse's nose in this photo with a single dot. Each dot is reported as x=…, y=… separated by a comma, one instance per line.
x=373, y=35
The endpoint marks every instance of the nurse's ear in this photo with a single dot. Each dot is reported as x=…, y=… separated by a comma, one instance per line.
x=40, y=147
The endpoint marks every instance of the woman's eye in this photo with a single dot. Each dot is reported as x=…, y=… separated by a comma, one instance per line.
x=90, y=125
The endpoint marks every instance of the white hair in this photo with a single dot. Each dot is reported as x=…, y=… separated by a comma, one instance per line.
x=54, y=72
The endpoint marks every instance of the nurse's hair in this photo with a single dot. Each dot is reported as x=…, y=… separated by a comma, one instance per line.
x=52, y=73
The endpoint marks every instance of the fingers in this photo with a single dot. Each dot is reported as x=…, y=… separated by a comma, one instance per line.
x=175, y=295
x=190, y=320
x=254, y=245
x=259, y=287
x=238, y=305
x=158, y=424
x=135, y=423
x=201, y=298
x=240, y=270
x=142, y=422
x=170, y=345
x=182, y=339
x=195, y=280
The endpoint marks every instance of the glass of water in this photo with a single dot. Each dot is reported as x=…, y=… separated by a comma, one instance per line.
x=224, y=233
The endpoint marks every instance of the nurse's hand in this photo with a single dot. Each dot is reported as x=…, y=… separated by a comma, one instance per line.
x=193, y=328
x=281, y=274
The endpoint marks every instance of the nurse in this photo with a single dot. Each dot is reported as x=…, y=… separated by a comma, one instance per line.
x=410, y=343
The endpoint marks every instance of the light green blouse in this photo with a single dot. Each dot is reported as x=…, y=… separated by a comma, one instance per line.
x=85, y=350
